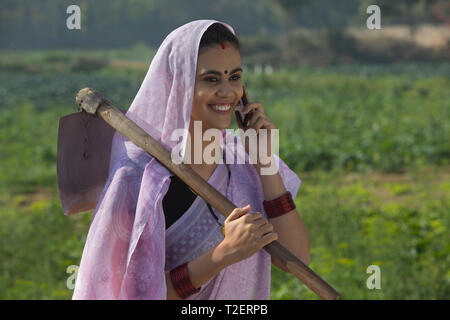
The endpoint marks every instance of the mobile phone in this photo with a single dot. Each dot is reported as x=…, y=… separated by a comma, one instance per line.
x=242, y=103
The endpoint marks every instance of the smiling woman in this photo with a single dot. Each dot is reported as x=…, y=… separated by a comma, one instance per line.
x=151, y=237
x=217, y=89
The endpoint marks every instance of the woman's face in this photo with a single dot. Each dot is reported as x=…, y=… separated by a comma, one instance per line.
x=218, y=86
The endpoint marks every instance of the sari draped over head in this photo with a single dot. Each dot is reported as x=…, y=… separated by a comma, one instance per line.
x=128, y=249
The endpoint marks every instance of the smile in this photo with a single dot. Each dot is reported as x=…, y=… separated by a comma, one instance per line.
x=221, y=108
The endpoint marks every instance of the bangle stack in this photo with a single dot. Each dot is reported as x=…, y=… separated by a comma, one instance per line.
x=182, y=282
x=279, y=206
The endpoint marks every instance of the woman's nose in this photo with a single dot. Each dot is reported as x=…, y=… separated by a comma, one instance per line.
x=225, y=90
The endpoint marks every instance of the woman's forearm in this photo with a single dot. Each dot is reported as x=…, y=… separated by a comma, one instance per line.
x=292, y=232
x=201, y=269
x=272, y=185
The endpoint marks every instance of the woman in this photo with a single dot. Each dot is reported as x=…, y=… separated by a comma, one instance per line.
x=141, y=247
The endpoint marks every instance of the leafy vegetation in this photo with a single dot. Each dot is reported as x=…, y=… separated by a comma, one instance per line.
x=398, y=222
x=370, y=144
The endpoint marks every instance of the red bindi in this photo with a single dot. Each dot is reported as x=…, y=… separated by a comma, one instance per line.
x=223, y=46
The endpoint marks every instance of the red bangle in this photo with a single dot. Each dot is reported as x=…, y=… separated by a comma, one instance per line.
x=182, y=282
x=279, y=206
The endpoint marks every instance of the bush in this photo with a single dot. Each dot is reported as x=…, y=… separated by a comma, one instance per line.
x=88, y=64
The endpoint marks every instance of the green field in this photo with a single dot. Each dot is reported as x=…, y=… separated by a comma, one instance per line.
x=370, y=143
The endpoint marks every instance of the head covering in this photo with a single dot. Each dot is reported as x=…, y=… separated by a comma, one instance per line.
x=164, y=100
x=124, y=254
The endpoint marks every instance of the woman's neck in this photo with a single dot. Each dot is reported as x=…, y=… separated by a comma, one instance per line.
x=203, y=169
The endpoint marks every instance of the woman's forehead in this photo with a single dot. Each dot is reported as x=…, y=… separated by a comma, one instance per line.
x=218, y=59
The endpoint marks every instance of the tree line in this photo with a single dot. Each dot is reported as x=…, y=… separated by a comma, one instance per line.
x=26, y=24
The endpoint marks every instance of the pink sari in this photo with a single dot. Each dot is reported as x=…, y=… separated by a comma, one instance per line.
x=128, y=248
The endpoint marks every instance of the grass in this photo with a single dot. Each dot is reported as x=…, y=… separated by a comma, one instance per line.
x=369, y=143
x=398, y=222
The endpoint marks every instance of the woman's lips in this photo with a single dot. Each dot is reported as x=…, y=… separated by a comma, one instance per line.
x=216, y=108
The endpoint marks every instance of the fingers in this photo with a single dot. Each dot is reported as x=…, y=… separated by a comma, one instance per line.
x=258, y=118
x=253, y=105
x=238, y=212
x=266, y=227
x=259, y=225
x=252, y=217
x=262, y=123
x=257, y=123
x=268, y=238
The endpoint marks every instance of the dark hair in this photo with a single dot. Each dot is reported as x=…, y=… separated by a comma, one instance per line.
x=217, y=33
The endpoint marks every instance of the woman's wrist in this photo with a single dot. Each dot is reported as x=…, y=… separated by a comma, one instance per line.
x=201, y=269
x=222, y=254
x=269, y=163
x=207, y=266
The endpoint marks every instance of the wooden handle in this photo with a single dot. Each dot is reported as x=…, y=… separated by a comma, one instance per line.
x=92, y=102
x=319, y=286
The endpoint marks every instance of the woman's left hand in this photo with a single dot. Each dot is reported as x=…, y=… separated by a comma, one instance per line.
x=258, y=120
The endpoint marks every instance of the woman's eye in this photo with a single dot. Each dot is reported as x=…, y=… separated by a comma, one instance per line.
x=214, y=79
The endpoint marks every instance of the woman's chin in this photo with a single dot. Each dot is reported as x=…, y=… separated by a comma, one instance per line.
x=224, y=125
x=219, y=125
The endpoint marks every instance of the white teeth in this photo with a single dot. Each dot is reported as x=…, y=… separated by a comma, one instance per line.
x=221, y=107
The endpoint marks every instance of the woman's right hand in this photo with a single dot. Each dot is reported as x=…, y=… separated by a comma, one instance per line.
x=245, y=234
